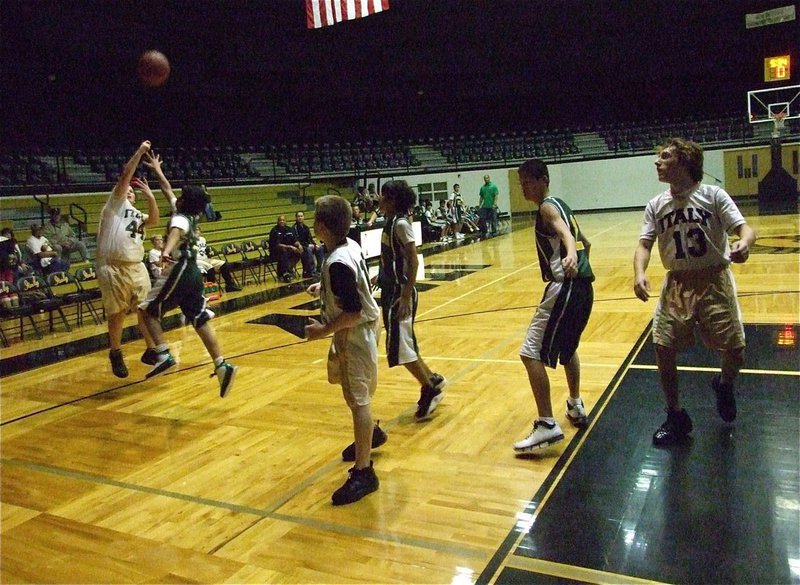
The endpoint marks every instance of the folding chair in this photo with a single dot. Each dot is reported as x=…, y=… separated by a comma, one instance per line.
x=35, y=292
x=86, y=277
x=238, y=262
x=17, y=310
x=65, y=286
x=252, y=254
x=267, y=262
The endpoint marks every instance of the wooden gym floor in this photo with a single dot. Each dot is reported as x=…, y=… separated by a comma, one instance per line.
x=160, y=481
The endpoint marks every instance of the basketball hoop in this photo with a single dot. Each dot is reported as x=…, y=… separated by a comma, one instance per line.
x=778, y=119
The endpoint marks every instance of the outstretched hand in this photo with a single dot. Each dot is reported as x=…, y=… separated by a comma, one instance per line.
x=152, y=161
x=141, y=183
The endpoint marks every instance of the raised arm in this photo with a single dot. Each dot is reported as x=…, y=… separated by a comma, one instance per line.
x=124, y=182
x=153, y=162
x=153, y=215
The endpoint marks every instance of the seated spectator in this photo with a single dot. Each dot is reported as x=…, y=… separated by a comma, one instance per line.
x=360, y=198
x=372, y=197
x=471, y=219
x=311, y=250
x=284, y=248
x=154, y=257
x=12, y=262
x=445, y=214
x=210, y=266
x=453, y=215
x=61, y=237
x=435, y=222
x=356, y=221
x=45, y=258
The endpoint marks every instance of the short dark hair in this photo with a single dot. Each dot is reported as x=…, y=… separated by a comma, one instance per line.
x=399, y=193
x=193, y=200
x=534, y=168
x=334, y=213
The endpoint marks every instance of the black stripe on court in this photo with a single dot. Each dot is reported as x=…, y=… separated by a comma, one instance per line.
x=505, y=548
x=721, y=509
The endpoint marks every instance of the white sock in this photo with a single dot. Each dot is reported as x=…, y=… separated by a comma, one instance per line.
x=218, y=361
x=573, y=401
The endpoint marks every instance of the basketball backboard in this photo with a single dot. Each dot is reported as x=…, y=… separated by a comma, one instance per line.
x=764, y=104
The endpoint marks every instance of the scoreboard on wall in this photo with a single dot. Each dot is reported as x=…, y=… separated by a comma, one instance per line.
x=777, y=68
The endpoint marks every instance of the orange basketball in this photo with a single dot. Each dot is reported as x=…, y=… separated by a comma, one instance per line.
x=153, y=68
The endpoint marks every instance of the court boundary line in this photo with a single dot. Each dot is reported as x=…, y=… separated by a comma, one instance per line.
x=506, y=550
x=506, y=554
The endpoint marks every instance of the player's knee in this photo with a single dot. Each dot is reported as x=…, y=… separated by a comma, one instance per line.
x=203, y=318
x=734, y=357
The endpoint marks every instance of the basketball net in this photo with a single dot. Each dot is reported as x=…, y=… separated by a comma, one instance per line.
x=778, y=121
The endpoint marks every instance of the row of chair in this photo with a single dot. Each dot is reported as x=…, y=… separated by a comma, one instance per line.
x=34, y=294
x=249, y=258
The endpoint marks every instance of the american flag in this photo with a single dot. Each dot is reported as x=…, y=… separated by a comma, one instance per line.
x=321, y=13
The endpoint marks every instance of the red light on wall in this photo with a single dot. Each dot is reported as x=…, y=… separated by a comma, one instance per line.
x=787, y=336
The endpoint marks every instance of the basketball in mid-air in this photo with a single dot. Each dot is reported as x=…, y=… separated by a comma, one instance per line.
x=153, y=68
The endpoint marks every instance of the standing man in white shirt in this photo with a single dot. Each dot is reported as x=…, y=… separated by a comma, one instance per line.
x=691, y=222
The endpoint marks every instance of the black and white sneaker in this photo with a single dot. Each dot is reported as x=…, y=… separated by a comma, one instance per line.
x=164, y=362
x=225, y=373
x=379, y=437
x=674, y=430
x=542, y=435
x=360, y=483
x=576, y=413
x=430, y=396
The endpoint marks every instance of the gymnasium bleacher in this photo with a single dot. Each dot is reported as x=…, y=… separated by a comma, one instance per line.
x=252, y=185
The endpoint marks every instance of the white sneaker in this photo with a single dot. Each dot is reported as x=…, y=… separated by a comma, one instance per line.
x=459, y=236
x=543, y=435
x=577, y=413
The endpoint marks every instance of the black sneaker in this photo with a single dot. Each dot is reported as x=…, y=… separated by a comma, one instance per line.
x=150, y=357
x=430, y=396
x=232, y=287
x=379, y=437
x=118, y=363
x=674, y=430
x=726, y=399
x=165, y=361
x=359, y=483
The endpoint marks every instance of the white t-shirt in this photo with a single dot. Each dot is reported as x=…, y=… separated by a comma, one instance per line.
x=120, y=236
x=692, y=228
x=36, y=245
